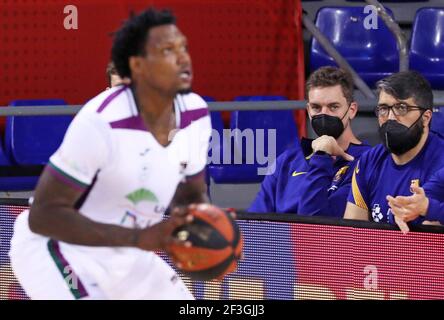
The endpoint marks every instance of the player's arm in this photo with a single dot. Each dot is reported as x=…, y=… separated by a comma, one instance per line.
x=53, y=214
x=193, y=190
x=85, y=150
x=318, y=200
x=316, y=182
x=354, y=212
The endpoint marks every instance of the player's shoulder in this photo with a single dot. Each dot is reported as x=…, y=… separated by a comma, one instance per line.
x=107, y=99
x=105, y=107
x=433, y=150
x=436, y=140
x=193, y=109
x=356, y=150
x=111, y=105
x=190, y=101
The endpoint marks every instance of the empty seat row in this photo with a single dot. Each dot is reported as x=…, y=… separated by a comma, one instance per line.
x=371, y=48
x=28, y=143
x=260, y=136
x=254, y=139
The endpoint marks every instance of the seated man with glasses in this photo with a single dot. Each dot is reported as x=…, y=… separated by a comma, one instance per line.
x=316, y=181
x=409, y=153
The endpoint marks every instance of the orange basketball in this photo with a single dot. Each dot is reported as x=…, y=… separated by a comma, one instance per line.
x=216, y=244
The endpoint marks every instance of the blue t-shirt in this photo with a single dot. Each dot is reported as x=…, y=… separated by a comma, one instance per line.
x=434, y=190
x=376, y=175
x=308, y=184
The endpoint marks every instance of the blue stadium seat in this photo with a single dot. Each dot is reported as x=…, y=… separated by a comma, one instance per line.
x=4, y=160
x=438, y=121
x=372, y=53
x=427, y=45
x=286, y=135
x=32, y=140
x=13, y=178
x=29, y=142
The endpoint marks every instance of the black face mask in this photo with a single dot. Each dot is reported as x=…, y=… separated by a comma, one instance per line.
x=397, y=138
x=324, y=124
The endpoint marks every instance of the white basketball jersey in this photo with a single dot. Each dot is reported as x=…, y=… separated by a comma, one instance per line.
x=129, y=178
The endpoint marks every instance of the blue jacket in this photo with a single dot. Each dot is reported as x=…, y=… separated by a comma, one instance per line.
x=308, y=184
x=434, y=190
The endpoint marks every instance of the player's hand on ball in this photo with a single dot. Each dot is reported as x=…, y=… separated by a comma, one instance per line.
x=160, y=236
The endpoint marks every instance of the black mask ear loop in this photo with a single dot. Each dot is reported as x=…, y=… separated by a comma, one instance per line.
x=420, y=117
x=345, y=127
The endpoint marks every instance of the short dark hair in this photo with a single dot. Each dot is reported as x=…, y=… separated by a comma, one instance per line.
x=330, y=77
x=408, y=84
x=130, y=39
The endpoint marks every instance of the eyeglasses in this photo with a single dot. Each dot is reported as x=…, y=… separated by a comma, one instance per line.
x=399, y=109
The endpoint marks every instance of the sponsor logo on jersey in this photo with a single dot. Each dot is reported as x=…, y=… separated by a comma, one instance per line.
x=296, y=173
x=140, y=195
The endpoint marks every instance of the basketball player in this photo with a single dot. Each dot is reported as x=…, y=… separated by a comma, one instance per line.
x=409, y=155
x=316, y=181
x=131, y=153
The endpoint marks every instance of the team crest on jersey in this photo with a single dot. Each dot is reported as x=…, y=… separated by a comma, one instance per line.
x=140, y=195
x=340, y=173
x=414, y=182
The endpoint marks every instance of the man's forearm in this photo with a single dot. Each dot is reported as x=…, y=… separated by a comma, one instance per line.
x=188, y=193
x=188, y=197
x=70, y=226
